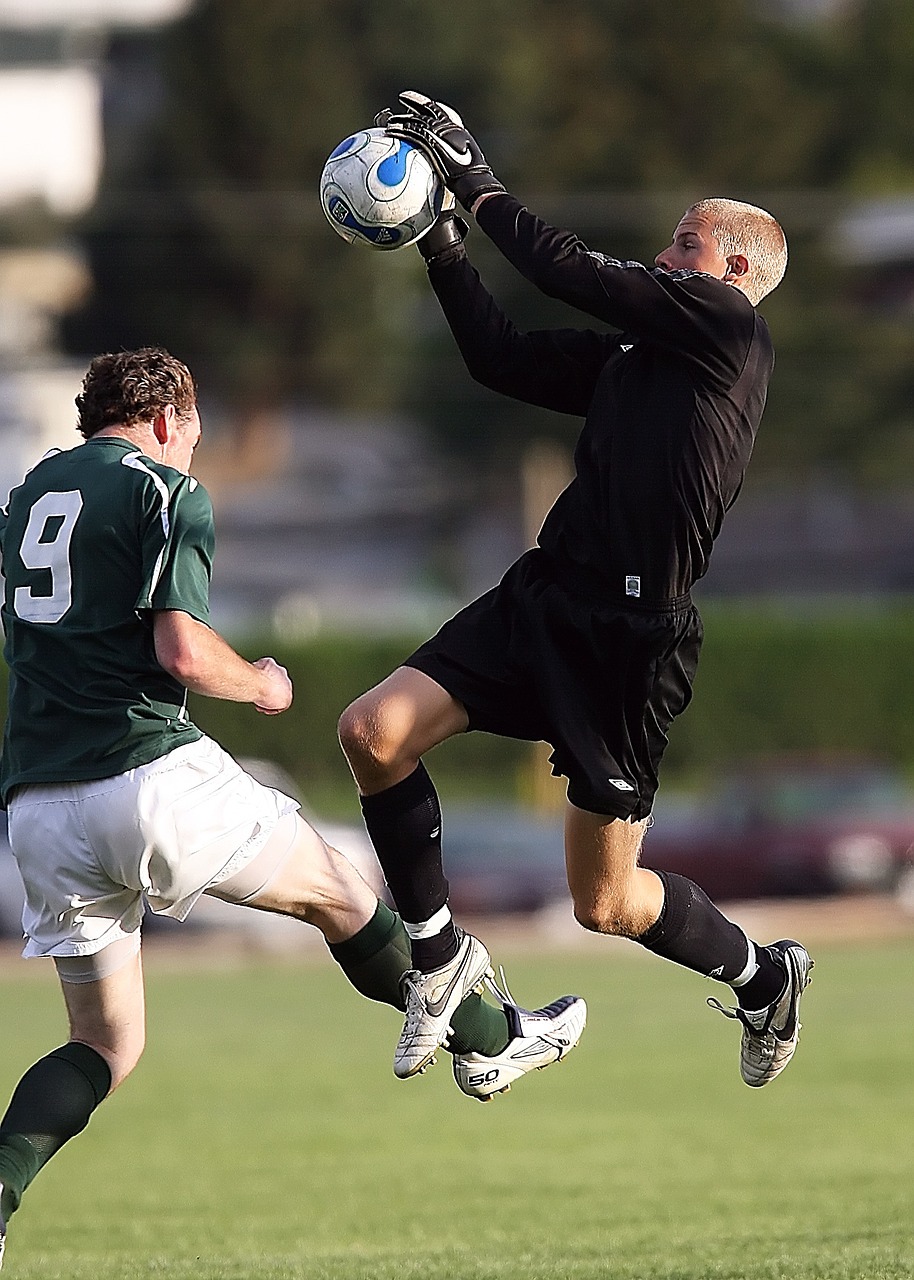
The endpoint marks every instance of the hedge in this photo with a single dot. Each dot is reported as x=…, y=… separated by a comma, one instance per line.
x=771, y=679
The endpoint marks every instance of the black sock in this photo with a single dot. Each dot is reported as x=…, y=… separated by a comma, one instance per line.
x=692, y=932
x=404, y=823
x=376, y=958
x=432, y=953
x=52, y=1103
x=766, y=985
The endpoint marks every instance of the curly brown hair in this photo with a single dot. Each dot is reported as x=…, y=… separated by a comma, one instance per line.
x=126, y=387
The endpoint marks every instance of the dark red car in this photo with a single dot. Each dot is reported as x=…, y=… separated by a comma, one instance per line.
x=790, y=826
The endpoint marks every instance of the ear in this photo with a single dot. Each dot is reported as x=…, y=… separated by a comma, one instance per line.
x=737, y=268
x=163, y=423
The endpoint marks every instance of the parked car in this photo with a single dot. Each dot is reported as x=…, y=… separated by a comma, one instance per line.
x=779, y=827
x=791, y=826
x=502, y=859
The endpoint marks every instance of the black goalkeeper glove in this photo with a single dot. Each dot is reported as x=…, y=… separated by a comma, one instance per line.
x=448, y=232
x=439, y=131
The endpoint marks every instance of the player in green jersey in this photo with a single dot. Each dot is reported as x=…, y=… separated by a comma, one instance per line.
x=114, y=795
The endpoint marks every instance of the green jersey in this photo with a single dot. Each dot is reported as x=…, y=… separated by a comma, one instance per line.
x=94, y=540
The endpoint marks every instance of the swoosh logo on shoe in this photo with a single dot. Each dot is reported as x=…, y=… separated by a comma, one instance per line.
x=795, y=986
x=436, y=1007
x=463, y=157
x=537, y=1049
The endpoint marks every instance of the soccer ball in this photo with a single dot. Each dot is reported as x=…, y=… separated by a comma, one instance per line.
x=381, y=191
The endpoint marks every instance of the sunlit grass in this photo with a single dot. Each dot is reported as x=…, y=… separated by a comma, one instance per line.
x=264, y=1135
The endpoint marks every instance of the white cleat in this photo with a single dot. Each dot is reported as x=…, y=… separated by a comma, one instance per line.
x=539, y=1038
x=431, y=1001
x=770, y=1035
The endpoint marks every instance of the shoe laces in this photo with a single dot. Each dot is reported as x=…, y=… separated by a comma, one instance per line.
x=415, y=1005
x=738, y=1015
x=501, y=992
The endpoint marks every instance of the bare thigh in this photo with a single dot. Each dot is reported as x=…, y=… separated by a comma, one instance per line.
x=611, y=893
x=109, y=1015
x=386, y=731
x=298, y=874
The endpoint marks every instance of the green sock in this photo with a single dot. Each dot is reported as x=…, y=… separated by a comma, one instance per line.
x=376, y=958
x=52, y=1103
x=479, y=1028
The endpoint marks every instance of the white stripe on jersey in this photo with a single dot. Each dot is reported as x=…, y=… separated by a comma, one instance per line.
x=135, y=461
x=683, y=273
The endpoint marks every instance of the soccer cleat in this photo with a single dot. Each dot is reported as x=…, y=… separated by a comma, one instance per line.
x=770, y=1035
x=538, y=1038
x=431, y=1000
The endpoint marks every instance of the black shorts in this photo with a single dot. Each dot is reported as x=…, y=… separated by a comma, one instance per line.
x=601, y=683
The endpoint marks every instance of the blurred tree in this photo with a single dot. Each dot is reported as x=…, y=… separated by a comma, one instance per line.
x=606, y=115
x=208, y=235
x=873, y=119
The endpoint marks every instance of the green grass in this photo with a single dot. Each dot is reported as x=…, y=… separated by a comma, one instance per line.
x=264, y=1135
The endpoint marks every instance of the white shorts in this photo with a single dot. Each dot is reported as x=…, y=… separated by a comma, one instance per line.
x=90, y=852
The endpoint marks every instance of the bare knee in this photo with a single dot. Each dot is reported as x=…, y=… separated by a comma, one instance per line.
x=611, y=912
x=359, y=731
x=105, y=1004
x=121, y=1055
x=610, y=892
x=371, y=742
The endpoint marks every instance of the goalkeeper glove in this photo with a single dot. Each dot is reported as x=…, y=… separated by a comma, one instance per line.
x=439, y=131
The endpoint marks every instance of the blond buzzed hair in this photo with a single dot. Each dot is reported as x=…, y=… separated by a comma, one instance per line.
x=753, y=232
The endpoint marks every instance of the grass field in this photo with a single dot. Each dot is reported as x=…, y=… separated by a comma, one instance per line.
x=263, y=1135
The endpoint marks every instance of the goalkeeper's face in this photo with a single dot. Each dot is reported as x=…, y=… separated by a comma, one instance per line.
x=695, y=248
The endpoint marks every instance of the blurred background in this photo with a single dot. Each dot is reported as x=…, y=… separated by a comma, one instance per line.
x=158, y=185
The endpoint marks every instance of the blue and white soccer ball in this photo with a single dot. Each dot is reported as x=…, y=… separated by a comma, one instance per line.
x=381, y=191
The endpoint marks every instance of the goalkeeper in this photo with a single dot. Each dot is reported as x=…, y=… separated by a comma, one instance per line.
x=590, y=642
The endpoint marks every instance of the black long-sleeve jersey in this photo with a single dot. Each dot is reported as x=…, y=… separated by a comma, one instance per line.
x=672, y=403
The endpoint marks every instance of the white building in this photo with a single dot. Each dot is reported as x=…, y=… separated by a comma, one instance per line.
x=51, y=158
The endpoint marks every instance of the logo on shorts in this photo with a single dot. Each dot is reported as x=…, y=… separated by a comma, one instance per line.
x=632, y=584
x=620, y=784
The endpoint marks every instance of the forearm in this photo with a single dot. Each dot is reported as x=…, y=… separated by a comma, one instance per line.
x=205, y=663
x=687, y=312
x=552, y=259
x=488, y=342
x=554, y=369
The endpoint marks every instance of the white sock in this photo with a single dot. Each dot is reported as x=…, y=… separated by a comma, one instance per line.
x=750, y=970
x=428, y=928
